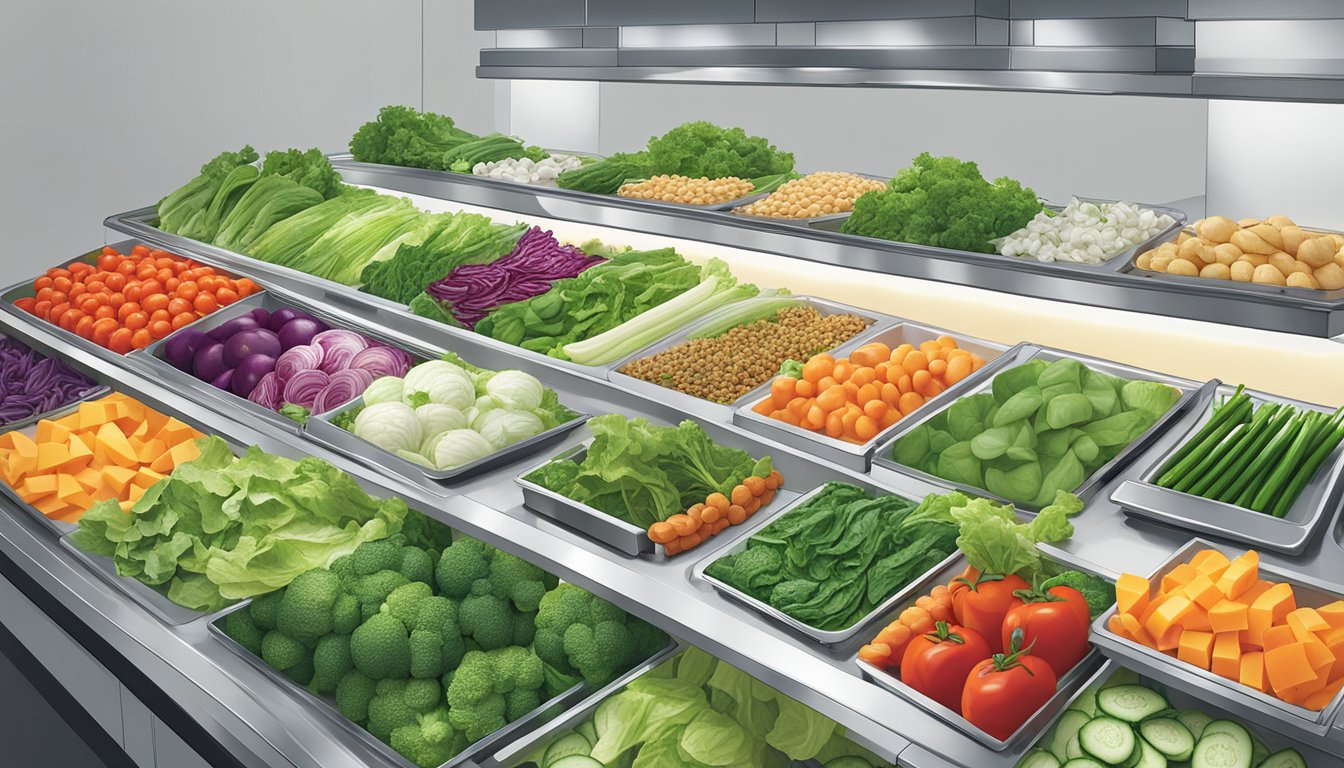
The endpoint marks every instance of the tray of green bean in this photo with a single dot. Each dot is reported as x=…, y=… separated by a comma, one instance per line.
x=1253, y=468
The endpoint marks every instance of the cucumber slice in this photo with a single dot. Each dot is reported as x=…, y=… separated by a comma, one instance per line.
x=1258, y=751
x=1168, y=736
x=1086, y=702
x=1108, y=740
x=576, y=761
x=1130, y=703
x=1036, y=758
x=1073, y=749
x=588, y=730
x=572, y=743
x=1083, y=762
x=1231, y=727
x=1150, y=757
x=1221, y=750
x=1287, y=758
x=849, y=761
x=1065, y=728
x=1194, y=721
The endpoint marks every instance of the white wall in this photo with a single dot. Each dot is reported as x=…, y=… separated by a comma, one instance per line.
x=108, y=106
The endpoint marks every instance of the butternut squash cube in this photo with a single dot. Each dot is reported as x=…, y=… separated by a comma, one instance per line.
x=1240, y=575
x=1253, y=671
x=1168, y=614
x=1132, y=594
x=1211, y=563
x=1332, y=613
x=1287, y=667
x=1269, y=609
x=1228, y=616
x=1178, y=577
x=1279, y=635
x=1226, y=655
x=1195, y=648
x=1203, y=591
x=1305, y=622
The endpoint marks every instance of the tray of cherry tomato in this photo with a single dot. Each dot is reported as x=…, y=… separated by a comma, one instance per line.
x=125, y=296
x=993, y=656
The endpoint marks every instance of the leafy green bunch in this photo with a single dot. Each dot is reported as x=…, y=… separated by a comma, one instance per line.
x=703, y=149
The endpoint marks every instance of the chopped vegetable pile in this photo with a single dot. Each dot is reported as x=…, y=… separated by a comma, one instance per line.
x=1085, y=232
x=944, y=202
x=222, y=528
x=406, y=137
x=126, y=302
x=432, y=642
x=1271, y=252
x=456, y=239
x=1044, y=428
x=992, y=643
x=31, y=384
x=834, y=559
x=854, y=398
x=724, y=367
x=113, y=448
x=816, y=194
x=525, y=170
x=1127, y=720
x=447, y=413
x=1259, y=457
x=646, y=474
x=694, y=711
x=681, y=189
x=1219, y=615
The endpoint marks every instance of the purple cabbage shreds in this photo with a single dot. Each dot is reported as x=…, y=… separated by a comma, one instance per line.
x=472, y=291
x=31, y=384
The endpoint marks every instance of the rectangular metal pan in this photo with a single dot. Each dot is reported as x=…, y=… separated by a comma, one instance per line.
x=24, y=289
x=808, y=221
x=1290, y=534
x=520, y=727
x=1190, y=392
x=597, y=525
x=155, y=360
x=581, y=155
x=1116, y=263
x=723, y=411
x=827, y=637
x=512, y=753
x=30, y=429
x=1240, y=700
x=1068, y=685
x=1130, y=267
x=321, y=429
x=726, y=205
x=859, y=457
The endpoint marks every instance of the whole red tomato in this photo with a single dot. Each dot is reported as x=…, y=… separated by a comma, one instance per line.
x=1003, y=691
x=1051, y=626
x=982, y=602
x=936, y=664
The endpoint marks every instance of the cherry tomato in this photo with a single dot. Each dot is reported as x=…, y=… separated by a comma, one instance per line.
x=41, y=282
x=57, y=310
x=937, y=663
x=116, y=299
x=140, y=251
x=146, y=270
x=150, y=287
x=135, y=320
x=1051, y=626
x=183, y=319
x=1003, y=691
x=62, y=283
x=57, y=297
x=206, y=283
x=44, y=294
x=79, y=268
x=171, y=284
x=77, y=290
x=102, y=330
x=84, y=327
x=159, y=315
x=186, y=290
x=115, y=281
x=105, y=311
x=156, y=301
x=246, y=287
x=226, y=296
x=26, y=304
x=133, y=292
x=178, y=305
x=41, y=309
x=126, y=267
x=127, y=309
x=983, y=602
x=141, y=339
x=89, y=304
x=160, y=328
x=165, y=274
x=108, y=261
x=68, y=319
x=94, y=286
x=205, y=303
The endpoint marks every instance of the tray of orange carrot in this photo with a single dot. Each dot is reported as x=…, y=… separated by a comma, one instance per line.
x=1255, y=640
x=840, y=409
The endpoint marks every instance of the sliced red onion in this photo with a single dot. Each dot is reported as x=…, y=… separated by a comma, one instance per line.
x=339, y=347
x=342, y=387
x=382, y=361
x=267, y=392
x=307, y=357
x=303, y=388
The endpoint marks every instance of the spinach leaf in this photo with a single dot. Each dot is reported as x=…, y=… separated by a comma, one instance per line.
x=1020, y=406
x=1067, y=410
x=967, y=417
x=1016, y=379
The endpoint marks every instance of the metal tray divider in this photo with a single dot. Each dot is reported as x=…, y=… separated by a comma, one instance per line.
x=826, y=637
x=1190, y=392
x=1236, y=698
x=557, y=704
x=1067, y=686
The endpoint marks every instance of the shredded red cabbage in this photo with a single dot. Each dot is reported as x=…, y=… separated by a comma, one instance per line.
x=472, y=291
x=31, y=384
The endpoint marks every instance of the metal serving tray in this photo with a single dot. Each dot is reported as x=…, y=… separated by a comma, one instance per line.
x=828, y=637
x=1291, y=533
x=155, y=356
x=809, y=221
x=1067, y=686
x=347, y=157
x=723, y=411
x=29, y=429
x=1242, y=701
x=1190, y=392
x=321, y=429
x=513, y=752
x=859, y=457
x=24, y=289
x=1131, y=267
x=323, y=704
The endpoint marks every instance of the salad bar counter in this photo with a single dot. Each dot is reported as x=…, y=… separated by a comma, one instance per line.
x=693, y=521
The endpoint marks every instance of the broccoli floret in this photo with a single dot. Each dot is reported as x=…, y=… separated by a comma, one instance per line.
x=404, y=602
x=474, y=706
x=381, y=649
x=520, y=701
x=373, y=589
x=265, y=608
x=1098, y=592
x=240, y=626
x=579, y=633
x=306, y=609
x=417, y=565
x=486, y=617
x=344, y=567
x=425, y=532
x=435, y=638
x=353, y=694
x=430, y=741
x=303, y=673
x=518, y=580
x=524, y=628
x=374, y=556
x=345, y=614
x=460, y=566
x=283, y=652
x=396, y=703
x=331, y=662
